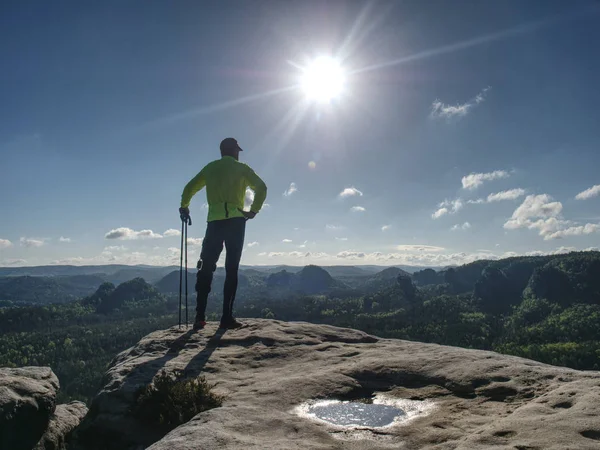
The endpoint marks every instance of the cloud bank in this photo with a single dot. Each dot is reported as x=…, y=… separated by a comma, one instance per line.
x=125, y=234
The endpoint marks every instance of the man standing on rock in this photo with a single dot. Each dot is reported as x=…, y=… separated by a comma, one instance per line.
x=226, y=180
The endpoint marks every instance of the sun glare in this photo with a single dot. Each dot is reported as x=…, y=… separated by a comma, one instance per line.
x=323, y=80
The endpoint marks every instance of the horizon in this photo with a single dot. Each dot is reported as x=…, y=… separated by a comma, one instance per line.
x=448, y=134
x=325, y=266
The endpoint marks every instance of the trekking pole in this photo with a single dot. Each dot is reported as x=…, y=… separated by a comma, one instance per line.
x=186, y=274
x=181, y=270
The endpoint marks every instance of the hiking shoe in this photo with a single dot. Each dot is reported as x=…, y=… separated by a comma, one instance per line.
x=199, y=324
x=230, y=324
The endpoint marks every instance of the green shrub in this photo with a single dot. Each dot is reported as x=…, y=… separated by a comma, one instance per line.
x=172, y=400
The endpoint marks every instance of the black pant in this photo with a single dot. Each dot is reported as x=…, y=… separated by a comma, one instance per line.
x=231, y=232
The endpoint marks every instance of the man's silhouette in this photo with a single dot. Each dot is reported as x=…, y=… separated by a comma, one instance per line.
x=226, y=180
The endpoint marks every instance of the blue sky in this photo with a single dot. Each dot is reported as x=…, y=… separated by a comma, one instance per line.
x=464, y=130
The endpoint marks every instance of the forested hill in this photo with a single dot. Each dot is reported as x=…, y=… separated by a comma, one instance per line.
x=500, y=285
x=543, y=308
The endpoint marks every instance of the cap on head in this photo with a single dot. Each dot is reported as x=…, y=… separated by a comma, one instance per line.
x=229, y=144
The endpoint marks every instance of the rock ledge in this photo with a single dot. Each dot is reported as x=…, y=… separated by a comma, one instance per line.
x=483, y=399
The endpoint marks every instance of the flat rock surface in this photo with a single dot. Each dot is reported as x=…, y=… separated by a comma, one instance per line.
x=481, y=399
x=27, y=401
x=65, y=419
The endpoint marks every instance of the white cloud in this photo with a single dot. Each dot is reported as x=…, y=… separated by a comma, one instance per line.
x=13, y=262
x=341, y=238
x=73, y=261
x=124, y=233
x=64, y=239
x=148, y=234
x=538, y=206
x=419, y=248
x=350, y=255
x=253, y=244
x=448, y=112
x=439, y=213
x=172, y=232
x=297, y=254
x=286, y=241
x=294, y=254
x=350, y=192
x=539, y=212
x=589, y=193
x=115, y=248
x=248, y=199
x=317, y=255
x=293, y=188
x=474, y=180
x=195, y=241
x=511, y=194
x=439, y=109
x=118, y=255
x=448, y=207
x=420, y=259
x=561, y=250
x=5, y=243
x=386, y=227
x=26, y=242
x=357, y=209
x=464, y=226
x=329, y=227
x=558, y=251
x=534, y=206
x=580, y=230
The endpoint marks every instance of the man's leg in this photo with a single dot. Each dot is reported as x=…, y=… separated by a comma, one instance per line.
x=212, y=246
x=234, y=244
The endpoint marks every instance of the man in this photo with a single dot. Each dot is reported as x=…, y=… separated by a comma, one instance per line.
x=226, y=180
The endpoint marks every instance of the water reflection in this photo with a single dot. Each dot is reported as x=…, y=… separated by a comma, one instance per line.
x=355, y=414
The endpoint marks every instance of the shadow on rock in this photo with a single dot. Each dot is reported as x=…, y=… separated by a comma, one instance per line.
x=110, y=422
x=196, y=365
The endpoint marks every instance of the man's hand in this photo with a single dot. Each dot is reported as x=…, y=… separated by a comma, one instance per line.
x=184, y=214
x=248, y=214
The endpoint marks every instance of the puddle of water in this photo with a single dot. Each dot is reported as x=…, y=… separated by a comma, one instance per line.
x=383, y=412
x=357, y=414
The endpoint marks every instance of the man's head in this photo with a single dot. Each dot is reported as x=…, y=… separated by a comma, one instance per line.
x=230, y=147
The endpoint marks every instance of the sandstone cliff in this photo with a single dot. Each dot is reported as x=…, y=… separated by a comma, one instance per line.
x=478, y=399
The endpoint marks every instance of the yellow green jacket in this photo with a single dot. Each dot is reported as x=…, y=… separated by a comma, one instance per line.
x=226, y=180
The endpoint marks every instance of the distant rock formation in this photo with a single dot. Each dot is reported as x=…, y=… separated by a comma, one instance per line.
x=481, y=399
x=309, y=280
x=29, y=417
x=386, y=278
x=280, y=279
x=314, y=279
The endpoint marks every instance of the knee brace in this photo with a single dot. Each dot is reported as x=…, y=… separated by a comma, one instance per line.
x=202, y=266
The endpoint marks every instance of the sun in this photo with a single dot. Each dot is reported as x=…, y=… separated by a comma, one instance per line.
x=323, y=80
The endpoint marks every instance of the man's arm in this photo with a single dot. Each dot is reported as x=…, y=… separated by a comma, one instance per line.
x=260, y=190
x=196, y=183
